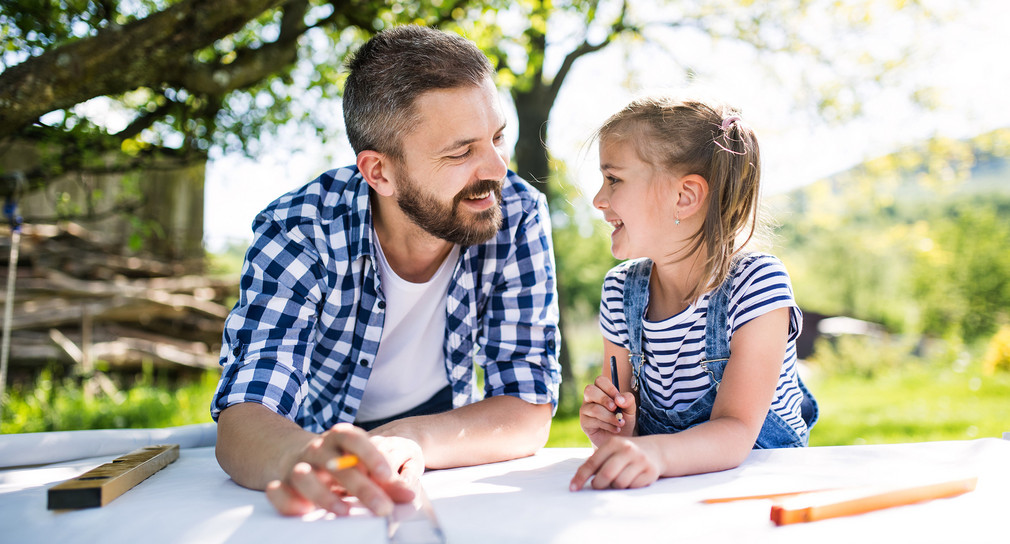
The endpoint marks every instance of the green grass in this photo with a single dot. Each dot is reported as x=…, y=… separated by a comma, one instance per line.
x=908, y=403
x=911, y=402
x=62, y=405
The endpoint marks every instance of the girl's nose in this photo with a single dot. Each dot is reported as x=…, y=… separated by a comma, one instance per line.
x=600, y=201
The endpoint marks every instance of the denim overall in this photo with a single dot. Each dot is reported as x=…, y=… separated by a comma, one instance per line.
x=653, y=418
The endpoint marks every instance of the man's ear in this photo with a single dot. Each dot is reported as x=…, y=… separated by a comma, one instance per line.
x=692, y=194
x=378, y=171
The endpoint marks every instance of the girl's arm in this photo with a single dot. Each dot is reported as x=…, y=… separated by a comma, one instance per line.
x=742, y=403
x=741, y=406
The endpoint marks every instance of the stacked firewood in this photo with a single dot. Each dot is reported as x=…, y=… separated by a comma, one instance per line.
x=78, y=301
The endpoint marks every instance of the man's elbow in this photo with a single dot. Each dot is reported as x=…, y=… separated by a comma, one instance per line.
x=537, y=427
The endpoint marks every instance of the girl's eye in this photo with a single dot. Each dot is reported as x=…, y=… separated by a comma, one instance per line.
x=611, y=180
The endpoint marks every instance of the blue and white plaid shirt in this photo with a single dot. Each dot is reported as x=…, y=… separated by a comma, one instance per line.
x=304, y=333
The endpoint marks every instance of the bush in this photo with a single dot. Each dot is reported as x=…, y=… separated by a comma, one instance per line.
x=53, y=404
x=997, y=354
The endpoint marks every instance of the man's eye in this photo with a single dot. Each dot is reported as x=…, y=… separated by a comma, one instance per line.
x=460, y=156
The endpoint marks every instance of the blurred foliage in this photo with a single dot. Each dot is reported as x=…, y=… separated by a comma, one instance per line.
x=997, y=353
x=915, y=240
x=53, y=403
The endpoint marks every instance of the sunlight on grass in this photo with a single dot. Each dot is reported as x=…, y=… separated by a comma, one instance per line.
x=911, y=404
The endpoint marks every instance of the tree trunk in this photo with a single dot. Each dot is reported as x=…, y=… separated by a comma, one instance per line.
x=533, y=163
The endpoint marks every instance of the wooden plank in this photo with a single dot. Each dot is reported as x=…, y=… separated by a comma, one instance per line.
x=100, y=485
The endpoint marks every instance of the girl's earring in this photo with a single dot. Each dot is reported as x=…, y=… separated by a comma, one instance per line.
x=676, y=219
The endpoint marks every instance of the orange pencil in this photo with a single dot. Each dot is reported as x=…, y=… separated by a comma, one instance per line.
x=344, y=461
x=773, y=496
x=832, y=504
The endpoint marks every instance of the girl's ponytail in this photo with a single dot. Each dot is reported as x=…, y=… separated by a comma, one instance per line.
x=734, y=179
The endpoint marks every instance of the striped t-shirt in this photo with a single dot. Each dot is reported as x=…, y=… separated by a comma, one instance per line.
x=675, y=346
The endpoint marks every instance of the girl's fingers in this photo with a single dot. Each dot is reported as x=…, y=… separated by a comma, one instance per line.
x=608, y=390
x=594, y=395
x=584, y=473
x=598, y=467
x=598, y=417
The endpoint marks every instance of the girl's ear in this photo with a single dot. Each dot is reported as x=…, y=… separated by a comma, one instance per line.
x=378, y=171
x=691, y=195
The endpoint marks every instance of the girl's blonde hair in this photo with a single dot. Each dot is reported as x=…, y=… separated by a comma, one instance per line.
x=689, y=136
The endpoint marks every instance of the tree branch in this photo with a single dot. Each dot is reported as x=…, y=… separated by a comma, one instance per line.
x=118, y=59
x=586, y=48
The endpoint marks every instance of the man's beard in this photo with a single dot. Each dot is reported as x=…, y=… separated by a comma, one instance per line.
x=449, y=221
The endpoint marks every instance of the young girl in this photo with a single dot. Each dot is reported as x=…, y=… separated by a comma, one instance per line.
x=703, y=334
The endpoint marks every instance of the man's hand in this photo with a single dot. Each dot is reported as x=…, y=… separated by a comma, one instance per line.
x=310, y=484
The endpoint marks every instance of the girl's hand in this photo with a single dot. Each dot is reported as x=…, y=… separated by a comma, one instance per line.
x=597, y=416
x=621, y=463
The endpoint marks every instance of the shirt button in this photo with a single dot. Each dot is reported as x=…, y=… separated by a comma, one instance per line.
x=382, y=305
x=363, y=362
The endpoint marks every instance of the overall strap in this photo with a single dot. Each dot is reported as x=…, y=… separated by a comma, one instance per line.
x=636, y=294
x=716, y=337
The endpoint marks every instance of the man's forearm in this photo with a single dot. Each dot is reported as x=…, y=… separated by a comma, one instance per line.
x=494, y=429
x=255, y=445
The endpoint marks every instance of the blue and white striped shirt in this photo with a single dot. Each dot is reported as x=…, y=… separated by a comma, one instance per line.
x=675, y=346
x=304, y=333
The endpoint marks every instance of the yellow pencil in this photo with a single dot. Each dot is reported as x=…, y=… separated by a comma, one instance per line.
x=347, y=460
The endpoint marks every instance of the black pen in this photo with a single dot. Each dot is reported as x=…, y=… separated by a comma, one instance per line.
x=617, y=384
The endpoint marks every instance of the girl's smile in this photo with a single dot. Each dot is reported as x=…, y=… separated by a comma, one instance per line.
x=635, y=200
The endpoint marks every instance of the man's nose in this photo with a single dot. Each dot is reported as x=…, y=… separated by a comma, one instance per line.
x=493, y=165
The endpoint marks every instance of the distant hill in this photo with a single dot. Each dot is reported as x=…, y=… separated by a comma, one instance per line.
x=910, y=176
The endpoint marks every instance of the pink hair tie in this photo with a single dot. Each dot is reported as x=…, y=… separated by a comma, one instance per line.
x=729, y=121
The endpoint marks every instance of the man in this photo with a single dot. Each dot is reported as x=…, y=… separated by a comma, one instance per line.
x=369, y=294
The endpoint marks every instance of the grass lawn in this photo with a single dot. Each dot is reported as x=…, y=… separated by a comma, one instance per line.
x=911, y=403
x=906, y=403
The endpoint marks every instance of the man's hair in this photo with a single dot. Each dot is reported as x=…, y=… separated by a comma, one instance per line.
x=391, y=70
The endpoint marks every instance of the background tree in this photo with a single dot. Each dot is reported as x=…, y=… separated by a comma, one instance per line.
x=532, y=31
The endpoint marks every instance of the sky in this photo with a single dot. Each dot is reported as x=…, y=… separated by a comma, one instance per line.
x=962, y=63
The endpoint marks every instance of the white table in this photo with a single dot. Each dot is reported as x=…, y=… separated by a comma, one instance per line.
x=527, y=500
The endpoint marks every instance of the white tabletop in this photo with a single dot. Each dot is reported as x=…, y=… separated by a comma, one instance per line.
x=527, y=500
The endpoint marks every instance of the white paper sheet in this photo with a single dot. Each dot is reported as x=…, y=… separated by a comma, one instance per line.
x=527, y=500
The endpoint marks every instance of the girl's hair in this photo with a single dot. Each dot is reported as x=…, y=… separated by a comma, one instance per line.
x=708, y=139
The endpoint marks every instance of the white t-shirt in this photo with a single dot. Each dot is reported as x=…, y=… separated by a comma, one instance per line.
x=409, y=367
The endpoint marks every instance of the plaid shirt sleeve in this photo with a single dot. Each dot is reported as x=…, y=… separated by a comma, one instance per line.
x=521, y=316
x=268, y=337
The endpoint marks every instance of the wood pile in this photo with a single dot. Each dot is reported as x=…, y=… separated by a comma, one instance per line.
x=77, y=301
